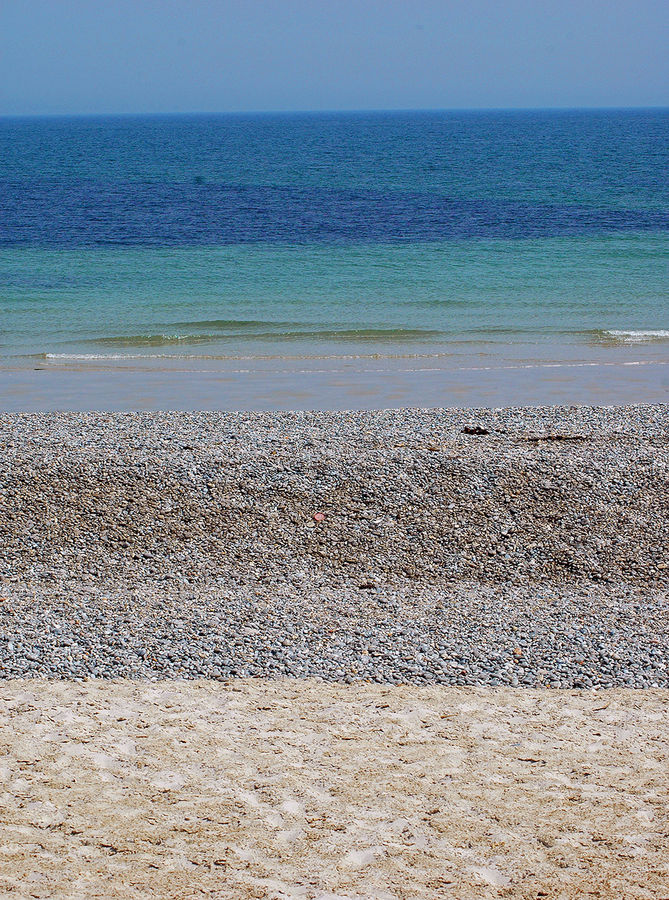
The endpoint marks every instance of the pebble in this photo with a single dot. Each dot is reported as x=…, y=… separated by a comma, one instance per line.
x=389, y=546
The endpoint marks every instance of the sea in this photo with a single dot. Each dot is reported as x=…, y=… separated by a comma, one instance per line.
x=334, y=260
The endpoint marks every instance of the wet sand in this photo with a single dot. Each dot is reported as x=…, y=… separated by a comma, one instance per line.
x=465, y=375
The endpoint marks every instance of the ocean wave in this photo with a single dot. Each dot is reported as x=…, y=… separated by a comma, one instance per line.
x=103, y=357
x=415, y=357
x=634, y=337
x=232, y=324
x=153, y=340
x=331, y=334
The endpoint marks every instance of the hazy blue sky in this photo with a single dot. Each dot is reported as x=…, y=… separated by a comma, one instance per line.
x=107, y=56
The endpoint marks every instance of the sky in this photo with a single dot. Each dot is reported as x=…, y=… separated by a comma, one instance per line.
x=181, y=56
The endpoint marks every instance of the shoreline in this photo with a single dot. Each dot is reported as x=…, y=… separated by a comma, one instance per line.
x=415, y=647
x=628, y=375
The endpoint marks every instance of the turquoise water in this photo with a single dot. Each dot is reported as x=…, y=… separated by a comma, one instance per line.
x=173, y=243
x=89, y=303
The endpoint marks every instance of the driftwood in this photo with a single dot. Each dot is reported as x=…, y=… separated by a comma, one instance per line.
x=535, y=438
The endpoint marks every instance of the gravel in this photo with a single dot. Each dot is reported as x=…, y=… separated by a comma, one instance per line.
x=498, y=547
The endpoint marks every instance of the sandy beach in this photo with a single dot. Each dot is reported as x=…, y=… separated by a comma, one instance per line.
x=292, y=789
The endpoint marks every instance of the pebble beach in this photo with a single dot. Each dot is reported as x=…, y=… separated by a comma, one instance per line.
x=514, y=547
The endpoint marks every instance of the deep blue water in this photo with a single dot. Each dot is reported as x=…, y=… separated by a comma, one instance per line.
x=331, y=179
x=232, y=231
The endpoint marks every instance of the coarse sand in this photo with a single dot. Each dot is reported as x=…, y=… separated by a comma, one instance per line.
x=297, y=788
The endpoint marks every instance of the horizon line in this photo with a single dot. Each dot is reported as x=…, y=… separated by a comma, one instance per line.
x=332, y=111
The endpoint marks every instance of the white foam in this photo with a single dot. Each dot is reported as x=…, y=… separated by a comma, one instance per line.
x=637, y=337
x=84, y=356
x=261, y=356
